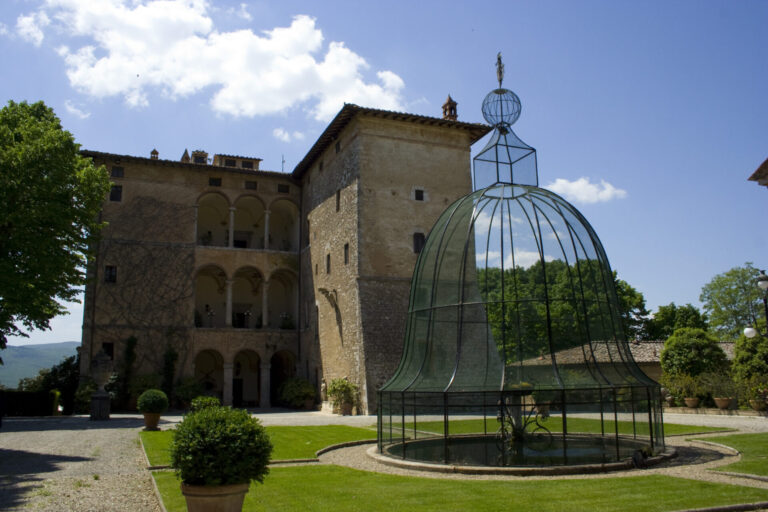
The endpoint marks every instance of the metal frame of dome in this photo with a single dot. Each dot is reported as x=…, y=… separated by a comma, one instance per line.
x=514, y=353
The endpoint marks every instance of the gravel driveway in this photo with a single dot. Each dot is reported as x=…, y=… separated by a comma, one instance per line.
x=73, y=464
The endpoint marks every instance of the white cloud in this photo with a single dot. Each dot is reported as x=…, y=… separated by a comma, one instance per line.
x=75, y=111
x=135, y=48
x=30, y=27
x=285, y=136
x=3, y=29
x=243, y=12
x=582, y=191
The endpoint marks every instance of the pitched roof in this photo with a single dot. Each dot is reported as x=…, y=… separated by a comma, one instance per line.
x=177, y=163
x=349, y=111
x=761, y=174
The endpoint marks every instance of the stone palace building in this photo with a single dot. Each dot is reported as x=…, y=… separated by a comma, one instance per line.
x=253, y=276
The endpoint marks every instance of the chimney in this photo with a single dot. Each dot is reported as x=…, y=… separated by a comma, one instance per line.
x=154, y=154
x=200, y=157
x=449, y=109
x=185, y=157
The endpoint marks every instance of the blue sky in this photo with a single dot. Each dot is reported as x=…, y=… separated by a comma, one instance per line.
x=648, y=116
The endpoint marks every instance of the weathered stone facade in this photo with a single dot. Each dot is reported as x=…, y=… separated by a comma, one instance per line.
x=254, y=276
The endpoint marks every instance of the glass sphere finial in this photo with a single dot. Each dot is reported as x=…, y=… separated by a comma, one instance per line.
x=501, y=107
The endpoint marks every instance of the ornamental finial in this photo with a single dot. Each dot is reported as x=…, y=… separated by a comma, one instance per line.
x=499, y=69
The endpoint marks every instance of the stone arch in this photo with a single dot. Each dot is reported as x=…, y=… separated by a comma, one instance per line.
x=248, y=298
x=246, y=379
x=213, y=219
x=282, y=368
x=250, y=220
x=283, y=225
x=210, y=296
x=282, y=297
x=209, y=371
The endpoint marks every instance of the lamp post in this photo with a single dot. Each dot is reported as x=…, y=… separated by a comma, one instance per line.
x=762, y=282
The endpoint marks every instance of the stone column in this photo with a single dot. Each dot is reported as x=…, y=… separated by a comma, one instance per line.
x=264, y=398
x=266, y=229
x=227, y=398
x=228, y=312
x=264, y=306
x=231, y=227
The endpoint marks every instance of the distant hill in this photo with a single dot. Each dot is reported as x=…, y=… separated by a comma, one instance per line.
x=27, y=361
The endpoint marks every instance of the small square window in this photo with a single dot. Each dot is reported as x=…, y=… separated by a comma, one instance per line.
x=230, y=162
x=110, y=274
x=418, y=242
x=419, y=194
x=338, y=146
x=199, y=159
x=246, y=164
x=283, y=189
x=109, y=349
x=250, y=185
x=214, y=182
x=117, y=171
x=116, y=193
x=346, y=254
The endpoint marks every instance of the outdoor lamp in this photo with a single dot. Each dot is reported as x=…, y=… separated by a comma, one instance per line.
x=762, y=282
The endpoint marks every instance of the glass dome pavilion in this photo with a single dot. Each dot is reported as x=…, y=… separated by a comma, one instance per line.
x=514, y=331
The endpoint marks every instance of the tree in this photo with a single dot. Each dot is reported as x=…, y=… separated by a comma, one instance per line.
x=671, y=317
x=631, y=308
x=750, y=356
x=692, y=352
x=64, y=377
x=732, y=301
x=50, y=198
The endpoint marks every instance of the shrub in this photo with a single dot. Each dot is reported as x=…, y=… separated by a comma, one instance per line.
x=153, y=401
x=83, y=396
x=719, y=384
x=186, y=390
x=341, y=391
x=203, y=402
x=220, y=446
x=692, y=351
x=682, y=385
x=296, y=391
x=754, y=388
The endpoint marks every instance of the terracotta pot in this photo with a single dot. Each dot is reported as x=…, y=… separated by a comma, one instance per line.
x=723, y=403
x=345, y=409
x=151, y=419
x=758, y=405
x=214, y=498
x=691, y=403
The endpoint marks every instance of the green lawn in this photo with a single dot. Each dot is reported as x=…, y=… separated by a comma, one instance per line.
x=554, y=424
x=342, y=489
x=754, y=453
x=288, y=442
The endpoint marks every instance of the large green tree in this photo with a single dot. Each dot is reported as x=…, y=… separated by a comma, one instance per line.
x=50, y=198
x=692, y=352
x=732, y=300
x=671, y=317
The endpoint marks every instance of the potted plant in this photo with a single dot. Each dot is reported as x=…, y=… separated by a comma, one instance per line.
x=755, y=390
x=217, y=452
x=342, y=394
x=298, y=393
x=690, y=387
x=152, y=403
x=721, y=386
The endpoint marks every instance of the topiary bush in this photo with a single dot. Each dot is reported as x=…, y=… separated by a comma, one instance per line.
x=220, y=446
x=693, y=352
x=153, y=401
x=203, y=402
x=296, y=391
